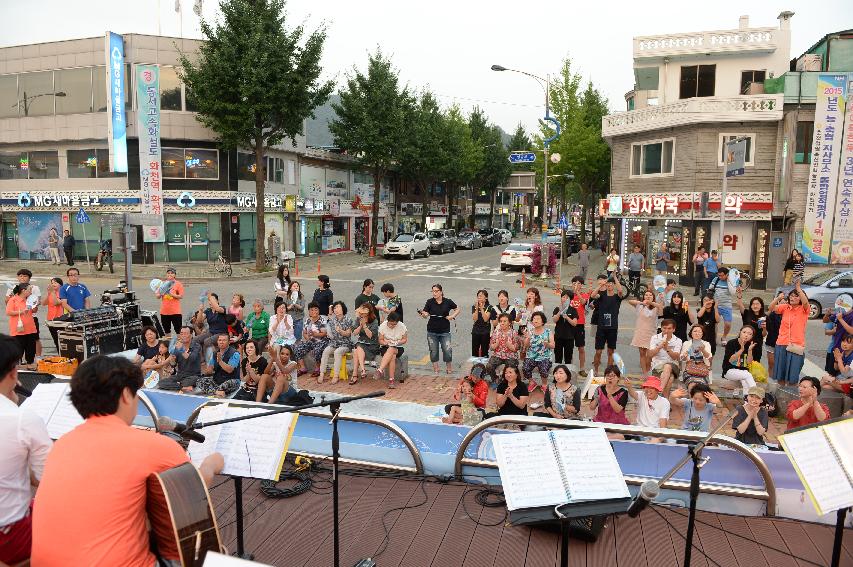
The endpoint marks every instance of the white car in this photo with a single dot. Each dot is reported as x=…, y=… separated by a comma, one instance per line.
x=407, y=244
x=507, y=236
x=518, y=255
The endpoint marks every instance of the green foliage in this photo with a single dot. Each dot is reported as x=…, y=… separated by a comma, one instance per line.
x=494, y=168
x=422, y=155
x=465, y=157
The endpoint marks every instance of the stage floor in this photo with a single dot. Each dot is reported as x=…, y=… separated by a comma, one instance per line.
x=449, y=528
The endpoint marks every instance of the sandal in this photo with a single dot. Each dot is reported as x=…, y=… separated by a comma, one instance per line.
x=320, y=378
x=391, y=383
x=379, y=374
x=353, y=380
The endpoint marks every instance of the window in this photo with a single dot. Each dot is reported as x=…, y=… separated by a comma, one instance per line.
x=246, y=166
x=29, y=165
x=8, y=96
x=88, y=164
x=189, y=163
x=35, y=93
x=805, y=135
x=172, y=163
x=170, y=89
x=652, y=158
x=697, y=80
x=14, y=165
x=749, y=77
x=99, y=86
x=750, y=147
x=275, y=170
x=76, y=84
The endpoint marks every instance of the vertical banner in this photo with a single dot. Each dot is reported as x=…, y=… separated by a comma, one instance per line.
x=842, y=229
x=116, y=123
x=148, y=128
x=823, y=177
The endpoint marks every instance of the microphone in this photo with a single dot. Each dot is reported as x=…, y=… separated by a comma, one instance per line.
x=166, y=423
x=649, y=490
x=21, y=391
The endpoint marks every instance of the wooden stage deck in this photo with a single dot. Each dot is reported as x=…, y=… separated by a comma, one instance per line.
x=444, y=532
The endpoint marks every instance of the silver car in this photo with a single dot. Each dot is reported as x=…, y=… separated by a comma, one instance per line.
x=823, y=289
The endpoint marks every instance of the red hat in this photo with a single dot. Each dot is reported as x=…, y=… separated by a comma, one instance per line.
x=652, y=382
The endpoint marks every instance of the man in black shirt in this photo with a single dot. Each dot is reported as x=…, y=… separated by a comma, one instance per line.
x=186, y=356
x=608, y=297
x=323, y=295
x=439, y=311
x=215, y=317
x=565, y=320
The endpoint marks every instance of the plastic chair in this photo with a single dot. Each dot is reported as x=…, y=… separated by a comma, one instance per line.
x=343, y=375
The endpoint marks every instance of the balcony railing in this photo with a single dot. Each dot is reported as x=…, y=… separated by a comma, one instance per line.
x=671, y=45
x=695, y=111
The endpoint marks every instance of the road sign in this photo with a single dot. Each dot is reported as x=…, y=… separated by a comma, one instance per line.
x=522, y=157
x=144, y=219
x=777, y=242
x=735, y=157
x=82, y=217
x=564, y=222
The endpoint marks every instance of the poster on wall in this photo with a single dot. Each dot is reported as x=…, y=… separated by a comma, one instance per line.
x=362, y=188
x=33, y=230
x=312, y=182
x=737, y=242
x=842, y=228
x=823, y=177
x=337, y=184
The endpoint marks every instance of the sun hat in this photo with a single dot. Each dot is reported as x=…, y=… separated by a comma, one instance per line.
x=652, y=382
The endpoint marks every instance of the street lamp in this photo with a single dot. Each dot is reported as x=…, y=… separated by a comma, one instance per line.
x=28, y=99
x=546, y=86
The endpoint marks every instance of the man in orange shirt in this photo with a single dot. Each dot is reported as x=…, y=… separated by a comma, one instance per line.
x=170, y=303
x=90, y=507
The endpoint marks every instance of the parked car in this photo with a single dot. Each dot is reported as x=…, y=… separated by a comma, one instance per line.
x=469, y=239
x=518, y=255
x=442, y=240
x=507, y=235
x=554, y=239
x=490, y=236
x=407, y=244
x=823, y=288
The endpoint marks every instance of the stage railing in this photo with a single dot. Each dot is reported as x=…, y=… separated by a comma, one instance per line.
x=417, y=468
x=768, y=494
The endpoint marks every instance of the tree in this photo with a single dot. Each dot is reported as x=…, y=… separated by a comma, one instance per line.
x=464, y=156
x=520, y=142
x=494, y=167
x=254, y=83
x=370, y=123
x=422, y=155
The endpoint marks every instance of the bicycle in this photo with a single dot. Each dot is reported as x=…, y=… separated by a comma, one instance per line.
x=222, y=265
x=637, y=290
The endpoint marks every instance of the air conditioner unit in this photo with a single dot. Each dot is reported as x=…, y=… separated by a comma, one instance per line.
x=810, y=62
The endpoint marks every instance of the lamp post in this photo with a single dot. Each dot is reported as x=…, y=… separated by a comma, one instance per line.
x=546, y=86
x=28, y=99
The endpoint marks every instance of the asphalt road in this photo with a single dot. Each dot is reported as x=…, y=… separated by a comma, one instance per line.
x=461, y=274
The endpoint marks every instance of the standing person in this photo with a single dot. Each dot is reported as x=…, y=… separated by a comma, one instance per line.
x=662, y=260
x=481, y=314
x=612, y=262
x=772, y=324
x=709, y=268
x=170, y=303
x=68, y=243
x=722, y=290
x=532, y=304
x=565, y=318
x=90, y=505
x=502, y=307
x=392, y=336
x=390, y=302
x=807, y=408
x=258, y=325
x=791, y=343
x=610, y=399
x=696, y=355
x=636, y=266
x=54, y=307
x=679, y=311
x=750, y=423
x=439, y=311
x=24, y=444
x=33, y=302
x=609, y=299
x=699, y=406
x=281, y=285
x=74, y=295
x=22, y=326
x=644, y=328
x=755, y=316
x=740, y=353
x=339, y=330
x=652, y=408
x=665, y=354
x=314, y=340
x=295, y=307
x=788, y=269
x=504, y=345
x=367, y=295
x=539, y=344
x=323, y=295
x=579, y=303
x=53, y=246
x=699, y=269
x=583, y=262
x=708, y=316
x=366, y=334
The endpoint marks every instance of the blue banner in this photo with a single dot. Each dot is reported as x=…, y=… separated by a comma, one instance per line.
x=117, y=96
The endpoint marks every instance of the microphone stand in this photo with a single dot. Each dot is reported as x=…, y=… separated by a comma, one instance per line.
x=335, y=407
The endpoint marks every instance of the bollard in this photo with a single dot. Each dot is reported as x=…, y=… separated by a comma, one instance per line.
x=296, y=264
x=318, y=264
x=523, y=274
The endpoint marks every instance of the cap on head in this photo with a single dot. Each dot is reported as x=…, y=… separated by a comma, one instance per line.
x=653, y=382
x=171, y=270
x=756, y=391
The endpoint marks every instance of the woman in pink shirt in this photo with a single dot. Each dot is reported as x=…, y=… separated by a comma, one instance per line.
x=789, y=354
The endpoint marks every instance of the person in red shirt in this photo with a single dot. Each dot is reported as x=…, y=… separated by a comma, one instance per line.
x=579, y=302
x=807, y=409
x=480, y=390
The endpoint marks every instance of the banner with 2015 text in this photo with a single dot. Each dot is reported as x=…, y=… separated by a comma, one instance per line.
x=150, y=169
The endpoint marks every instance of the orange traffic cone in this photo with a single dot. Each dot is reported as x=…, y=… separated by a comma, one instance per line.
x=558, y=288
x=318, y=265
x=523, y=274
x=372, y=251
x=296, y=264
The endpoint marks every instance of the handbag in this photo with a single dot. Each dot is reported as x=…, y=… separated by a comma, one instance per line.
x=20, y=326
x=796, y=349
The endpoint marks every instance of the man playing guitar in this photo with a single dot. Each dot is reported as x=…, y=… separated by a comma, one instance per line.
x=91, y=503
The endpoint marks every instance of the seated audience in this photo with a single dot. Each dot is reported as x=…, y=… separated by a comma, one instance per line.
x=480, y=390
x=504, y=345
x=258, y=325
x=740, y=353
x=281, y=331
x=698, y=408
x=366, y=334
x=696, y=357
x=160, y=367
x=150, y=346
x=280, y=379
x=562, y=398
x=253, y=369
x=750, y=423
x=392, y=336
x=186, y=357
x=214, y=316
x=466, y=411
x=665, y=352
x=652, y=408
x=807, y=408
x=842, y=375
x=339, y=330
x=314, y=340
x=222, y=371
x=610, y=399
x=90, y=506
x=512, y=394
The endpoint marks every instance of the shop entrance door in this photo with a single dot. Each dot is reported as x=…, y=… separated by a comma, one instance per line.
x=314, y=235
x=10, y=239
x=187, y=241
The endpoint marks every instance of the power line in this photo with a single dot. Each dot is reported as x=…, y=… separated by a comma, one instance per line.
x=487, y=101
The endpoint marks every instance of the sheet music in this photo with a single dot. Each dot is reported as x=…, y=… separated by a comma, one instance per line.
x=65, y=418
x=818, y=469
x=213, y=559
x=52, y=404
x=252, y=448
x=840, y=435
x=529, y=471
x=590, y=465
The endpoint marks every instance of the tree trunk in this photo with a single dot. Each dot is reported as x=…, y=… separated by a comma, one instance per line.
x=450, y=192
x=424, y=203
x=583, y=220
x=260, y=177
x=374, y=229
x=397, y=190
x=492, y=209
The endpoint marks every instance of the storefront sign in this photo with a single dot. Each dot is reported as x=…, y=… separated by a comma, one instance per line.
x=290, y=203
x=762, y=247
x=823, y=177
x=411, y=209
x=688, y=206
x=737, y=242
x=481, y=209
x=148, y=127
x=116, y=124
x=685, y=250
x=186, y=200
x=65, y=200
x=250, y=201
x=335, y=206
x=842, y=228
x=615, y=207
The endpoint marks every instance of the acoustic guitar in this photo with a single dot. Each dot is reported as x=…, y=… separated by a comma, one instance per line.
x=182, y=520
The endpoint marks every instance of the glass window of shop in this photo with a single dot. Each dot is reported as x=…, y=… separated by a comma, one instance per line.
x=91, y=163
x=29, y=165
x=172, y=163
x=8, y=96
x=335, y=234
x=170, y=88
x=201, y=164
x=35, y=93
x=246, y=166
x=99, y=86
x=14, y=165
x=77, y=86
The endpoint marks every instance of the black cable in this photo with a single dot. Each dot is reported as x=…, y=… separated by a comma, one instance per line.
x=386, y=539
x=481, y=497
x=270, y=488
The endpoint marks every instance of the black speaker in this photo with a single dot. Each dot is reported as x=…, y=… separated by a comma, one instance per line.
x=152, y=319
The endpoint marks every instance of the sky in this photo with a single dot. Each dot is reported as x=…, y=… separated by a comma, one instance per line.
x=450, y=46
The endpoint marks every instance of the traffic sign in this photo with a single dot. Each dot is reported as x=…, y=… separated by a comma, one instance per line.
x=564, y=222
x=735, y=157
x=82, y=217
x=522, y=157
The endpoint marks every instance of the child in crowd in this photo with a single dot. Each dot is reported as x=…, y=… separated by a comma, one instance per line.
x=390, y=302
x=842, y=376
x=698, y=408
x=238, y=302
x=472, y=389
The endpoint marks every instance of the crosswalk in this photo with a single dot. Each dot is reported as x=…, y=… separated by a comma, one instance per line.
x=438, y=268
